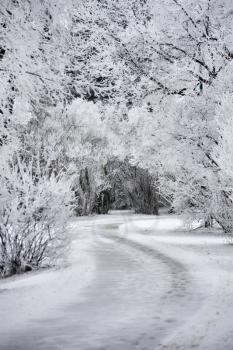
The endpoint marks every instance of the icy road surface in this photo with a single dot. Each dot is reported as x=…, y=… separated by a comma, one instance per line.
x=131, y=282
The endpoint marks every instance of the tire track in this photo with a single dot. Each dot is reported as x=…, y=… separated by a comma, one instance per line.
x=179, y=273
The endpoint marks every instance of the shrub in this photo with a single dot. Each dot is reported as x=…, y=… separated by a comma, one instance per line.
x=34, y=208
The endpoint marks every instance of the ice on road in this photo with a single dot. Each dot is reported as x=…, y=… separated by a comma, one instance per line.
x=131, y=282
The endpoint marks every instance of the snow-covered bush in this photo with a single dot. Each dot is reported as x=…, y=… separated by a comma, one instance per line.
x=222, y=154
x=200, y=153
x=34, y=208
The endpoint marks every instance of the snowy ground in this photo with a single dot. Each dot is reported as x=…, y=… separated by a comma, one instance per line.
x=132, y=282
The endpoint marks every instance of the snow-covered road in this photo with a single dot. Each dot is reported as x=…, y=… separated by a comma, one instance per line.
x=132, y=282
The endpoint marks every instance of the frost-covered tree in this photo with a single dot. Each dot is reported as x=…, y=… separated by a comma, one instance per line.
x=87, y=85
x=199, y=180
x=142, y=48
